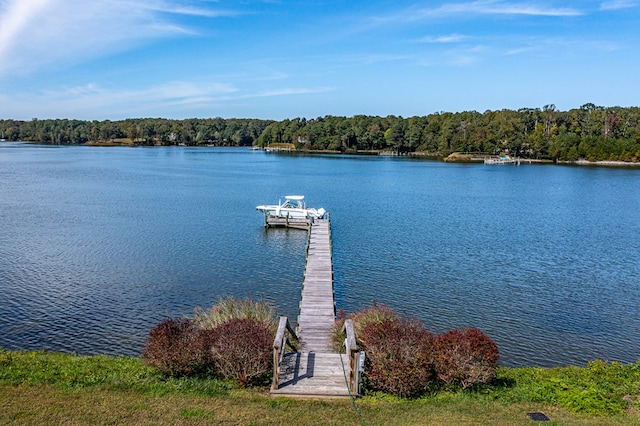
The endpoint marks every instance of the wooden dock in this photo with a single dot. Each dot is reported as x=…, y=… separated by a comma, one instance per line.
x=287, y=222
x=315, y=369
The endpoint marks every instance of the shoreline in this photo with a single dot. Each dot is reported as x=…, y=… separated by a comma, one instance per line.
x=610, y=163
x=452, y=158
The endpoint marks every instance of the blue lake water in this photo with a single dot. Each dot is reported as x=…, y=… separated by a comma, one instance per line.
x=99, y=244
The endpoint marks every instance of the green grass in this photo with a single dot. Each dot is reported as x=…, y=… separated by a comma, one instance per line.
x=51, y=388
x=599, y=388
x=71, y=372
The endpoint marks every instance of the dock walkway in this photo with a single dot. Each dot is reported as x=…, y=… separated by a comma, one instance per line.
x=316, y=369
x=317, y=308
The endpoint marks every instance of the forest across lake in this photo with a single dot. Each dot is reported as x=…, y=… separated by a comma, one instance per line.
x=588, y=133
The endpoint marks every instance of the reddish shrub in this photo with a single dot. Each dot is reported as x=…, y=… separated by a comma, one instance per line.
x=398, y=359
x=374, y=313
x=242, y=349
x=176, y=347
x=466, y=356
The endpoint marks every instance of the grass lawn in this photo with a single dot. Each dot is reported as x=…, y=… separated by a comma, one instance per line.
x=49, y=388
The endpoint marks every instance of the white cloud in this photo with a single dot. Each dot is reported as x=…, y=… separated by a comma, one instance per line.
x=466, y=57
x=187, y=90
x=479, y=7
x=617, y=4
x=365, y=59
x=93, y=101
x=452, y=38
x=518, y=51
x=15, y=19
x=176, y=98
x=494, y=7
x=35, y=33
x=289, y=91
x=191, y=10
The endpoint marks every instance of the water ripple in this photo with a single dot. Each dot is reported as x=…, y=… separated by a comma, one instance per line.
x=97, y=246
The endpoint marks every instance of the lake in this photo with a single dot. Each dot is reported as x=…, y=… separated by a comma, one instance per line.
x=99, y=244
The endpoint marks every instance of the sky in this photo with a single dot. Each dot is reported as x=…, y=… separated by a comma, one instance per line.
x=278, y=59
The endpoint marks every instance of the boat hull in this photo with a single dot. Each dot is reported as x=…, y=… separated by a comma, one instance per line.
x=293, y=213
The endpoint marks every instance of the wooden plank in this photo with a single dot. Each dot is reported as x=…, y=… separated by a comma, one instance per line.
x=323, y=308
x=320, y=308
x=324, y=316
x=319, y=299
x=317, y=293
x=308, y=374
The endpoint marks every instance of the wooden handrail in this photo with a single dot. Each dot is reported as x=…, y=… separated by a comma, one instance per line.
x=353, y=353
x=280, y=343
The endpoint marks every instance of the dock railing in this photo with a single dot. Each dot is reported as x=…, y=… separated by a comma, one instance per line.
x=353, y=353
x=280, y=343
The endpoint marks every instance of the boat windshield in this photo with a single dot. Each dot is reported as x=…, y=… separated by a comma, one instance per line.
x=296, y=202
x=292, y=204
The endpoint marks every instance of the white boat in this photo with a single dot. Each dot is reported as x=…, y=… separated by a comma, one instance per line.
x=294, y=207
x=503, y=159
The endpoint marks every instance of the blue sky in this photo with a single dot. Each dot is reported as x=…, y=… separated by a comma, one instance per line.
x=115, y=59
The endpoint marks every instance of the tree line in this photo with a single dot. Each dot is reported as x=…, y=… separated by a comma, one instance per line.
x=590, y=132
x=143, y=131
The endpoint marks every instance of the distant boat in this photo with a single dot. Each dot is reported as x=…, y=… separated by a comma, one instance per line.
x=503, y=159
x=293, y=206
